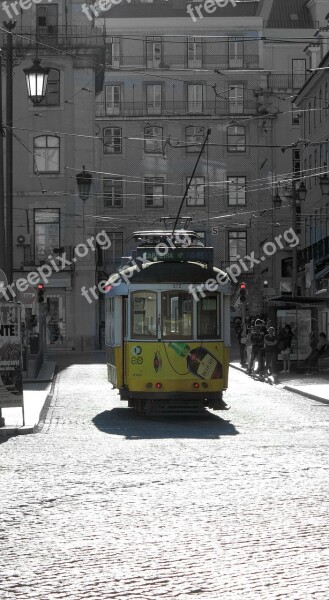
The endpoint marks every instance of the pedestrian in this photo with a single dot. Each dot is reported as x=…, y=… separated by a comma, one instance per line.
x=271, y=342
x=242, y=337
x=248, y=350
x=321, y=347
x=284, y=347
x=257, y=340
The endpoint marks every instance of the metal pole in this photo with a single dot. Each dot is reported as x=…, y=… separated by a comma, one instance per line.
x=2, y=190
x=9, y=150
x=294, y=250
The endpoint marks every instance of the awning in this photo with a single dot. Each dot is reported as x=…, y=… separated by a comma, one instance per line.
x=322, y=273
x=298, y=300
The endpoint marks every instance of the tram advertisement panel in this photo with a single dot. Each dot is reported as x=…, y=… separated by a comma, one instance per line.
x=176, y=360
x=11, y=378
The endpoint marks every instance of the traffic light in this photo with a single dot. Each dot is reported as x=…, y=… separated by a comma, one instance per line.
x=41, y=292
x=243, y=291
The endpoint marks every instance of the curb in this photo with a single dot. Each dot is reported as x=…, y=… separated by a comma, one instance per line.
x=28, y=429
x=290, y=388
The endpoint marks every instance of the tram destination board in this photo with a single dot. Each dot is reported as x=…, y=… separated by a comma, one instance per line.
x=162, y=253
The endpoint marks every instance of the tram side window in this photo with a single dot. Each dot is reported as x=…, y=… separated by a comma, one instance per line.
x=209, y=316
x=176, y=310
x=143, y=314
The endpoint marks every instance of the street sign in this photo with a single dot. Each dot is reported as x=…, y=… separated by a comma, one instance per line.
x=27, y=297
x=11, y=382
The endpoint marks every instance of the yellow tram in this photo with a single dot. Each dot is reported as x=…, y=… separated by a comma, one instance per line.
x=167, y=326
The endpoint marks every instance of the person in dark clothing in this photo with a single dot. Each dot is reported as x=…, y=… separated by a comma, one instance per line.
x=242, y=337
x=321, y=347
x=284, y=346
x=271, y=343
x=257, y=340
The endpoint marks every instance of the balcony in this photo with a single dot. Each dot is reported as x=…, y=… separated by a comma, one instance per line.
x=71, y=36
x=283, y=82
x=173, y=61
x=211, y=108
x=319, y=252
x=33, y=261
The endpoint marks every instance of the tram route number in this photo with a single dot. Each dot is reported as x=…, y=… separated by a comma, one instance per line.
x=136, y=361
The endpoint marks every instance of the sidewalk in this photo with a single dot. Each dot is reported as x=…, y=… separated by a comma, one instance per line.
x=36, y=392
x=312, y=386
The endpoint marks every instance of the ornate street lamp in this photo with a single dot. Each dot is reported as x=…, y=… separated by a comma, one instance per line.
x=36, y=81
x=84, y=180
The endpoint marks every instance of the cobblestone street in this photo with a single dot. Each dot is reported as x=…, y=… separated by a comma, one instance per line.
x=103, y=503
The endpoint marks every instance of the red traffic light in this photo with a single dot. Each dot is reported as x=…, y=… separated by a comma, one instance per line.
x=243, y=290
x=41, y=292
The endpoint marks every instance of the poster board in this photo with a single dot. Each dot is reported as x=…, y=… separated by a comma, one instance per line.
x=11, y=365
x=300, y=321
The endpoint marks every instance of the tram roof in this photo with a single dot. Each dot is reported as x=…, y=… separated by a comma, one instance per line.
x=156, y=272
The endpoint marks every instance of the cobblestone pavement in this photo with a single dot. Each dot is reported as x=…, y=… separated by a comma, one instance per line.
x=103, y=503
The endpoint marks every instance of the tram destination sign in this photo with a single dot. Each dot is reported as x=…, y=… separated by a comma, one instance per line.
x=195, y=253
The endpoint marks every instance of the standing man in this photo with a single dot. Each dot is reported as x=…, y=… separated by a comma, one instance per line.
x=270, y=342
x=257, y=340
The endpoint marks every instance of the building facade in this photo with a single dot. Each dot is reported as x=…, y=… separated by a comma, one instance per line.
x=131, y=96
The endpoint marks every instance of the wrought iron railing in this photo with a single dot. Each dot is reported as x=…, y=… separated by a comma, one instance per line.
x=172, y=108
x=286, y=81
x=37, y=259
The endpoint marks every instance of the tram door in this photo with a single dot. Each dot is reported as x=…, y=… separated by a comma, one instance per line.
x=124, y=307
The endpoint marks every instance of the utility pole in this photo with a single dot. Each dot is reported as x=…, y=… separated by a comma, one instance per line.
x=9, y=149
x=3, y=263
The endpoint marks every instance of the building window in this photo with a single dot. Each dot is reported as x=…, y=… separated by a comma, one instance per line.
x=154, y=192
x=298, y=72
x=195, y=98
x=52, y=97
x=309, y=118
x=296, y=163
x=235, y=53
x=46, y=154
x=112, y=140
x=236, y=99
x=295, y=115
x=326, y=100
x=315, y=108
x=194, y=53
x=113, y=192
x=46, y=232
x=112, y=99
x=113, y=52
x=236, y=190
x=196, y=192
x=153, y=52
x=47, y=22
x=237, y=245
x=154, y=98
x=112, y=255
x=310, y=170
x=194, y=136
x=321, y=106
x=153, y=140
x=236, y=139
